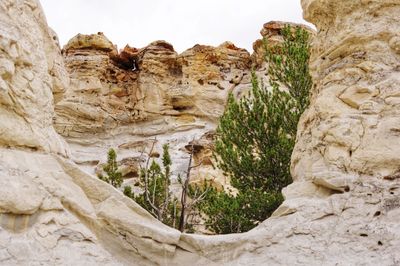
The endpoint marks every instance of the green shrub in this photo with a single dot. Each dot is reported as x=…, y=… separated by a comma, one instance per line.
x=156, y=197
x=113, y=177
x=256, y=136
x=235, y=214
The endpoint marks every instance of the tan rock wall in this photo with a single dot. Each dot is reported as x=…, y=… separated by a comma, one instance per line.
x=118, y=98
x=29, y=79
x=132, y=96
x=351, y=126
x=52, y=212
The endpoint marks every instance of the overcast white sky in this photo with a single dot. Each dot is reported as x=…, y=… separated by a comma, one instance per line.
x=183, y=23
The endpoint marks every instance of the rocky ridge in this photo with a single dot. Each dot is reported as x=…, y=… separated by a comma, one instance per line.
x=123, y=99
x=340, y=210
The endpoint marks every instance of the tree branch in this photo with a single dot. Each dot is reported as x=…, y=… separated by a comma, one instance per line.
x=146, y=179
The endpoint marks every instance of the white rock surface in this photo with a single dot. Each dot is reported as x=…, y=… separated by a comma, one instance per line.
x=350, y=130
x=31, y=70
x=342, y=209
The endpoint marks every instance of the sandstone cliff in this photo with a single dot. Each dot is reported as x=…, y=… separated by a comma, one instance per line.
x=342, y=209
x=124, y=99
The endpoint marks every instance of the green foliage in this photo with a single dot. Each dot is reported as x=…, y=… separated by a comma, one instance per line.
x=128, y=191
x=156, y=198
x=256, y=136
x=113, y=177
x=289, y=65
x=230, y=214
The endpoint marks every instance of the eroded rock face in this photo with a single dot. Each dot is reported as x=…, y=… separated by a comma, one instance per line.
x=135, y=95
x=113, y=89
x=102, y=95
x=204, y=166
x=351, y=127
x=55, y=213
x=118, y=98
x=272, y=33
x=28, y=80
x=209, y=75
x=50, y=211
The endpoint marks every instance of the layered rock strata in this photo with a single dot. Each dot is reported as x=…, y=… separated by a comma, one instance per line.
x=342, y=211
x=125, y=99
x=350, y=129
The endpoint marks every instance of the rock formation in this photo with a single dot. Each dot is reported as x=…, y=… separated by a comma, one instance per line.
x=342, y=209
x=350, y=129
x=124, y=99
x=28, y=81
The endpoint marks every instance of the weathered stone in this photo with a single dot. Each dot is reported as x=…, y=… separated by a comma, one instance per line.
x=136, y=95
x=204, y=165
x=351, y=124
x=94, y=41
x=271, y=33
x=342, y=209
x=28, y=80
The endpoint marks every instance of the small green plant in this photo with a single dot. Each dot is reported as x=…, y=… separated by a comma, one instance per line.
x=156, y=196
x=113, y=177
x=155, y=182
x=128, y=191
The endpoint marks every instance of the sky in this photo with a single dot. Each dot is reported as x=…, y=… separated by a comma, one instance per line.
x=183, y=23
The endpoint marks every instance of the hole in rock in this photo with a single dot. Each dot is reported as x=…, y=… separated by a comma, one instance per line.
x=34, y=148
x=377, y=213
x=200, y=81
x=181, y=108
x=131, y=175
x=380, y=243
x=346, y=188
x=363, y=234
x=181, y=104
